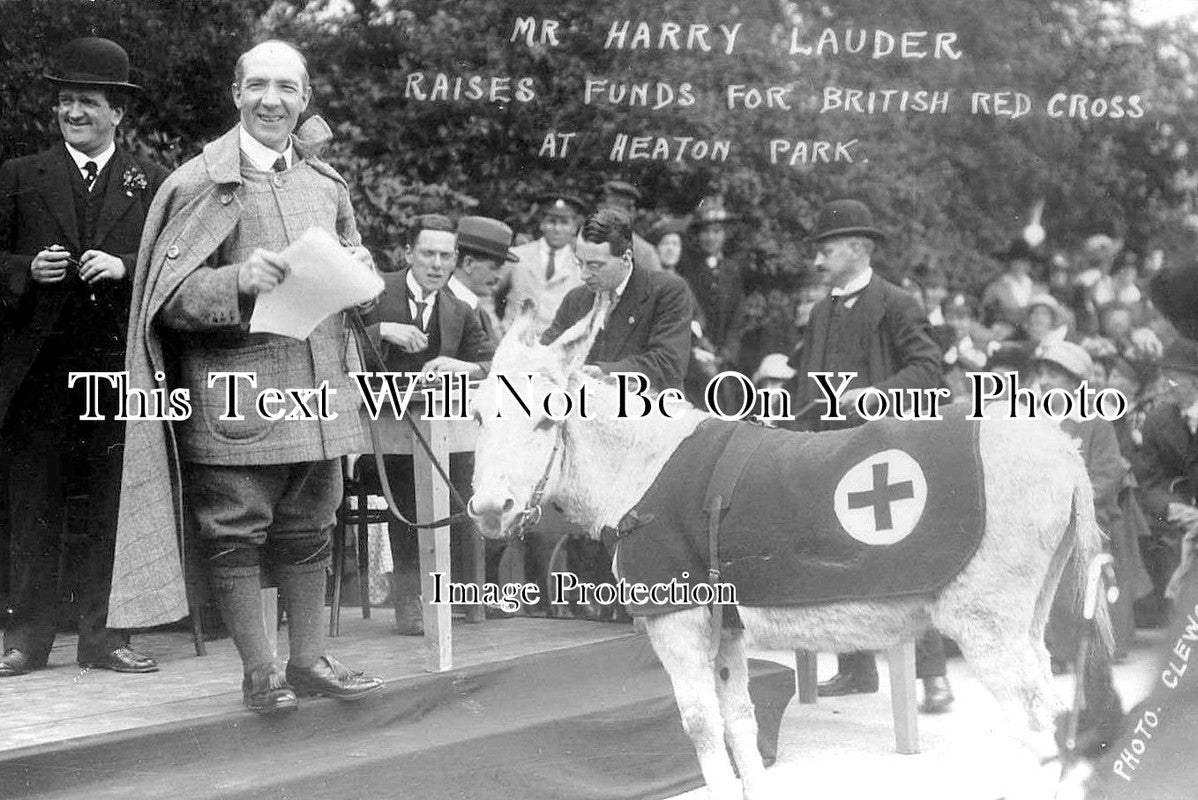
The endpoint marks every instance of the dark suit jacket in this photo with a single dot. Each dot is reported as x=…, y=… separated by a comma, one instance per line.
x=37, y=210
x=462, y=333
x=719, y=295
x=891, y=337
x=647, y=332
x=1167, y=462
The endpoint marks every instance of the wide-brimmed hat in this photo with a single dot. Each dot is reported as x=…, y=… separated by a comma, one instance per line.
x=561, y=203
x=93, y=61
x=485, y=237
x=1019, y=249
x=1070, y=357
x=844, y=218
x=666, y=225
x=1181, y=355
x=711, y=211
x=622, y=189
x=1059, y=315
x=774, y=367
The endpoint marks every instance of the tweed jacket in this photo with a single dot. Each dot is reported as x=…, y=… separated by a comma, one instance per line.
x=195, y=211
x=528, y=281
x=462, y=333
x=36, y=211
x=648, y=331
x=891, y=336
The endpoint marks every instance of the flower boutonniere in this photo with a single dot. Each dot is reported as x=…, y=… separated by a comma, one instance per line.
x=133, y=180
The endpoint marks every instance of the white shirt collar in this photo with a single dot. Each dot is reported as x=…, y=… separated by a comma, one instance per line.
x=416, y=292
x=101, y=160
x=262, y=157
x=856, y=284
x=619, y=290
x=462, y=292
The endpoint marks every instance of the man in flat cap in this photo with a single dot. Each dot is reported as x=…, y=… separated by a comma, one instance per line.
x=873, y=328
x=626, y=197
x=484, y=264
x=262, y=493
x=547, y=268
x=71, y=219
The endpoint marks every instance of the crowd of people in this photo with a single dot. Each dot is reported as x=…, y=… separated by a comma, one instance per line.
x=83, y=288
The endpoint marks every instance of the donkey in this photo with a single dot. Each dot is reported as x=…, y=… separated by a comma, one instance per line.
x=1039, y=509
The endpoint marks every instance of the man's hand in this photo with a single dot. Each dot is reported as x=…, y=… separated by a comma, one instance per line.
x=50, y=265
x=1183, y=515
x=261, y=272
x=96, y=265
x=848, y=401
x=407, y=337
x=445, y=364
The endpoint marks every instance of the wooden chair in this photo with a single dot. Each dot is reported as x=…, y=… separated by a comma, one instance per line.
x=901, y=660
x=358, y=519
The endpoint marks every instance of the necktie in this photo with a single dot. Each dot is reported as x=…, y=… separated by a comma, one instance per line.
x=280, y=164
x=549, y=267
x=420, y=306
x=90, y=172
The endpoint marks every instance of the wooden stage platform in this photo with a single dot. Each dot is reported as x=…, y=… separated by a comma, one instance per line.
x=542, y=708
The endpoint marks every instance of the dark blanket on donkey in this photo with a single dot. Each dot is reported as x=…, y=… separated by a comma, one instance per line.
x=783, y=541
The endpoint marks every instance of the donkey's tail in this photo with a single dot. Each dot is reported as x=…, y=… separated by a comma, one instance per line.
x=1088, y=541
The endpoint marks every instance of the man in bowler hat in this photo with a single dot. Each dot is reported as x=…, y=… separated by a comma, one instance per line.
x=869, y=326
x=71, y=219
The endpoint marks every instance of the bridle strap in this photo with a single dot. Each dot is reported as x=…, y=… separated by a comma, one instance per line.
x=530, y=515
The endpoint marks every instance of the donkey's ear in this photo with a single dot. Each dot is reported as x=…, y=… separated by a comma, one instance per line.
x=575, y=343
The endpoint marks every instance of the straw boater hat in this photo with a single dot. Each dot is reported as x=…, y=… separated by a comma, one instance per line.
x=92, y=61
x=845, y=218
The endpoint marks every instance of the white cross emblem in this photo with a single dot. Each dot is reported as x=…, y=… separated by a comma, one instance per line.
x=880, y=500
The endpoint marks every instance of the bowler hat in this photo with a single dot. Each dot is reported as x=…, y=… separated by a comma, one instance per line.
x=485, y=237
x=845, y=218
x=1070, y=357
x=561, y=203
x=1180, y=355
x=92, y=61
x=622, y=189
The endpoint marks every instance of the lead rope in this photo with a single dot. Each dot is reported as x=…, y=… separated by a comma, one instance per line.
x=358, y=328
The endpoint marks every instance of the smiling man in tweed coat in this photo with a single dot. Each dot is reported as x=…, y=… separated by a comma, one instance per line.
x=261, y=494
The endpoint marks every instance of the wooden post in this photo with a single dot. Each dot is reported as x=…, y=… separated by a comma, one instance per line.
x=901, y=658
x=432, y=502
x=806, y=680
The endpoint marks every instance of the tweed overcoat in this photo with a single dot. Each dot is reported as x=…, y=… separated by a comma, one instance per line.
x=193, y=213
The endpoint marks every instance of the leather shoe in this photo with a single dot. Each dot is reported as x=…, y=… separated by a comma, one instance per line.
x=265, y=690
x=843, y=683
x=937, y=695
x=14, y=662
x=331, y=678
x=122, y=659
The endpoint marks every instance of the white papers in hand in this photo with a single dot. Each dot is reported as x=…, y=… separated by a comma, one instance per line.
x=323, y=279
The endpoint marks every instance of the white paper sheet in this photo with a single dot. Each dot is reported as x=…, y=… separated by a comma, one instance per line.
x=323, y=280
